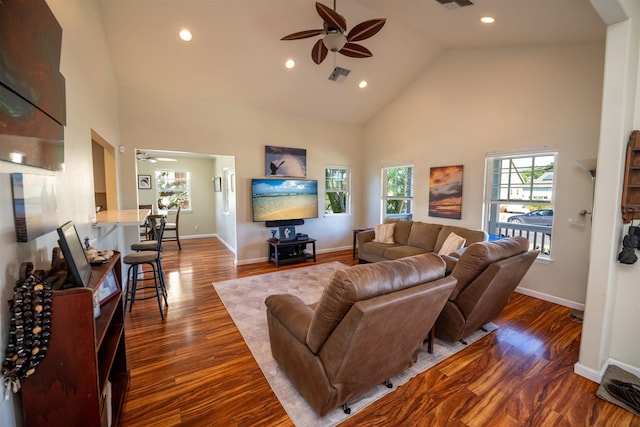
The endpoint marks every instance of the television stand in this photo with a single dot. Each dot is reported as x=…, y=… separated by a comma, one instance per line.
x=291, y=251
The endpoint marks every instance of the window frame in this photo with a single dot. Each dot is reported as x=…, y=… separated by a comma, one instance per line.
x=163, y=189
x=225, y=190
x=346, y=190
x=408, y=198
x=495, y=202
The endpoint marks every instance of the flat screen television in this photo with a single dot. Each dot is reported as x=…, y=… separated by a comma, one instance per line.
x=284, y=199
x=77, y=263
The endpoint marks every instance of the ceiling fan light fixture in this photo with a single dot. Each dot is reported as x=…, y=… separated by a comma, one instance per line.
x=334, y=41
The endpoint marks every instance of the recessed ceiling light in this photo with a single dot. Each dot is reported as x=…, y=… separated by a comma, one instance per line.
x=487, y=19
x=185, y=35
x=290, y=63
x=362, y=84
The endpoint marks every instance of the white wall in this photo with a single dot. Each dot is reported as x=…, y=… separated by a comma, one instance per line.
x=152, y=120
x=226, y=221
x=91, y=96
x=475, y=101
x=610, y=329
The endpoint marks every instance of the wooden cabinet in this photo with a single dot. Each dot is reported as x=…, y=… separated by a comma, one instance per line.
x=631, y=186
x=84, y=356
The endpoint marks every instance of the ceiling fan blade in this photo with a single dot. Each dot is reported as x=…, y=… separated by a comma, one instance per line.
x=331, y=17
x=303, y=34
x=355, y=50
x=319, y=52
x=365, y=29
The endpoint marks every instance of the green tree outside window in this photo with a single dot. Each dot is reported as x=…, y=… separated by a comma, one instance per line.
x=398, y=191
x=337, y=190
x=173, y=190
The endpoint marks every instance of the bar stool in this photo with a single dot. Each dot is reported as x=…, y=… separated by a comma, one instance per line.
x=153, y=243
x=152, y=258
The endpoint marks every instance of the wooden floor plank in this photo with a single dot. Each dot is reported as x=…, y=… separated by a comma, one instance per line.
x=195, y=369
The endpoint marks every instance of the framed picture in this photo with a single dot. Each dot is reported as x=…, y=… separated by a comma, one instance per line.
x=445, y=192
x=287, y=233
x=217, y=184
x=144, y=182
x=109, y=288
x=281, y=161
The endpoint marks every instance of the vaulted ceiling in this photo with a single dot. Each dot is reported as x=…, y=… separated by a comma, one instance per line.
x=236, y=56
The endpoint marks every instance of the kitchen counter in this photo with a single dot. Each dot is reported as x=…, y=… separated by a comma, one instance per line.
x=122, y=217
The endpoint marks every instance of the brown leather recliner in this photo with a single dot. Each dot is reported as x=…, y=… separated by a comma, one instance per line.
x=487, y=274
x=369, y=325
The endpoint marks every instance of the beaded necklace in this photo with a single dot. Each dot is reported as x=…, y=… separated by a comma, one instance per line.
x=29, y=330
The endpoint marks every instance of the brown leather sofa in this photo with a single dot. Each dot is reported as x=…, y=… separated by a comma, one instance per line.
x=412, y=238
x=487, y=274
x=369, y=325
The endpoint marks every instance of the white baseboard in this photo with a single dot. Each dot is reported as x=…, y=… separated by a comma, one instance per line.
x=596, y=376
x=251, y=261
x=588, y=373
x=228, y=246
x=325, y=251
x=197, y=236
x=551, y=298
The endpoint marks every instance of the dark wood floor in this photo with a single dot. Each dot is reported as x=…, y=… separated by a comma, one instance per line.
x=194, y=368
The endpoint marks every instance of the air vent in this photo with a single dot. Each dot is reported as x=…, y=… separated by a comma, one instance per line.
x=454, y=4
x=339, y=74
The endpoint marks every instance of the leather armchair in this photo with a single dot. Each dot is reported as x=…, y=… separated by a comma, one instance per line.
x=487, y=273
x=369, y=325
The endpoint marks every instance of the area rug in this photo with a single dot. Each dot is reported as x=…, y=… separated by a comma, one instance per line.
x=244, y=299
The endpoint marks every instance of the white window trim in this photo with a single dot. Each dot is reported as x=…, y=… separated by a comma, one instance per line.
x=189, y=190
x=348, y=190
x=524, y=152
x=383, y=211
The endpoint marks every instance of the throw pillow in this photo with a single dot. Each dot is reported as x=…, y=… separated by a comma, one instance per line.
x=452, y=243
x=384, y=233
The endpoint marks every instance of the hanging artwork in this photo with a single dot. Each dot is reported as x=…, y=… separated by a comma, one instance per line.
x=32, y=89
x=281, y=161
x=445, y=192
x=35, y=205
x=144, y=182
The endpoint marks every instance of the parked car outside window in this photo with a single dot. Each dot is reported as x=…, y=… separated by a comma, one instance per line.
x=537, y=217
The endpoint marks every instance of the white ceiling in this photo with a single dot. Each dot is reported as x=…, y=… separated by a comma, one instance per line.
x=236, y=55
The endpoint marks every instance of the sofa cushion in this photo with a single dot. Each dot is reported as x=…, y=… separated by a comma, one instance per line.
x=402, y=230
x=471, y=236
x=384, y=233
x=361, y=282
x=452, y=244
x=424, y=235
x=402, y=251
x=375, y=248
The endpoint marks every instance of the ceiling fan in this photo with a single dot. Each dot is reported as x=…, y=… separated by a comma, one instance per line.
x=454, y=3
x=141, y=155
x=334, y=39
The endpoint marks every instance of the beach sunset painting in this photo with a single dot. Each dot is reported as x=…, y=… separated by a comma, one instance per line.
x=445, y=192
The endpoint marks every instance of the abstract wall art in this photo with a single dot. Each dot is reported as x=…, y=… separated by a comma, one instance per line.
x=445, y=192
